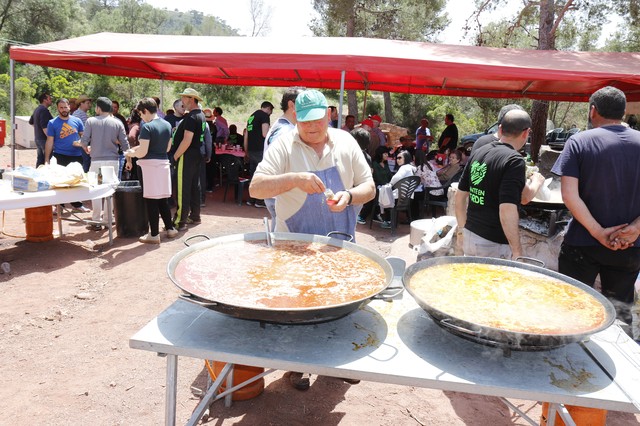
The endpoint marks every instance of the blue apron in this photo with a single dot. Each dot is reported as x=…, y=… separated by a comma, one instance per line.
x=314, y=217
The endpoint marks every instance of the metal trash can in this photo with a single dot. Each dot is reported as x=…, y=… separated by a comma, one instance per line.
x=130, y=210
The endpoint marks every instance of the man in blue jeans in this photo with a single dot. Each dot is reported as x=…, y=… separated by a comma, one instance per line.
x=39, y=120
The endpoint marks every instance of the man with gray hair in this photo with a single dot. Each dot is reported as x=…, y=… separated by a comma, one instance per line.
x=597, y=165
x=492, y=185
x=103, y=137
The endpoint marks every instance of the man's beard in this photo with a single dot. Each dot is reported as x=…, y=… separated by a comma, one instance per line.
x=64, y=114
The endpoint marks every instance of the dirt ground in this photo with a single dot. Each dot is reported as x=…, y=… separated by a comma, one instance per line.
x=69, y=306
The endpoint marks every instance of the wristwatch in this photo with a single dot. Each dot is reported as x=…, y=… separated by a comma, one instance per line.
x=350, y=197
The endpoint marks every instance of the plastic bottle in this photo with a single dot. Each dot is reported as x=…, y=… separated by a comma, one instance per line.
x=100, y=176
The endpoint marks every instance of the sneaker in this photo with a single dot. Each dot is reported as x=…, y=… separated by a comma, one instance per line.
x=361, y=221
x=299, y=381
x=193, y=221
x=94, y=227
x=182, y=227
x=150, y=239
x=350, y=381
x=261, y=205
x=172, y=233
x=81, y=209
x=250, y=203
x=378, y=218
x=385, y=225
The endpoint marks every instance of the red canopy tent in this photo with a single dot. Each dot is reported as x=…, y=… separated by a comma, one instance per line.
x=373, y=64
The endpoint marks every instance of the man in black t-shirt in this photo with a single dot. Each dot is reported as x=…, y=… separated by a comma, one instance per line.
x=39, y=120
x=449, y=137
x=187, y=141
x=257, y=129
x=492, y=185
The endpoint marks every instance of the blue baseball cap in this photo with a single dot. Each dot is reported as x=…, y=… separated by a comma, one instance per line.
x=311, y=105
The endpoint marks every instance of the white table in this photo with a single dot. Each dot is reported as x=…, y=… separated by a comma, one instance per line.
x=10, y=200
x=396, y=342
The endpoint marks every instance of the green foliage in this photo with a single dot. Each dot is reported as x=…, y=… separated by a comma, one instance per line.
x=24, y=91
x=397, y=20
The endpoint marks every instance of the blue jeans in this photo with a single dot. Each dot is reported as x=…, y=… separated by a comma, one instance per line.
x=40, y=146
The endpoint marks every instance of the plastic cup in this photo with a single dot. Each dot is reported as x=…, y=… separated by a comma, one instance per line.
x=92, y=178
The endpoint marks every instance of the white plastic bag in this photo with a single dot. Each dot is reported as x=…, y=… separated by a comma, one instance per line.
x=385, y=197
x=441, y=246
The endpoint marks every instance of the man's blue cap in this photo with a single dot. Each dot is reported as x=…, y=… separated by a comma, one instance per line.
x=311, y=105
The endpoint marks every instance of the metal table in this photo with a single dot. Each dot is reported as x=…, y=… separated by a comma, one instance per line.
x=396, y=342
x=10, y=200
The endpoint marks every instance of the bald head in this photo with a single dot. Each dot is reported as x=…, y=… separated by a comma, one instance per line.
x=514, y=123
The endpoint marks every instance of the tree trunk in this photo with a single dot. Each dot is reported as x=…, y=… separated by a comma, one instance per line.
x=352, y=99
x=388, y=108
x=539, y=109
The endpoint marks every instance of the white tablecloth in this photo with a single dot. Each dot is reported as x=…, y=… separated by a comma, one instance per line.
x=10, y=200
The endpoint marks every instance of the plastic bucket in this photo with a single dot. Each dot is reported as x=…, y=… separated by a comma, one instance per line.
x=582, y=416
x=39, y=224
x=242, y=373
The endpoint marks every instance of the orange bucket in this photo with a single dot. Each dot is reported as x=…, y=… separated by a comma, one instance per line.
x=241, y=373
x=39, y=224
x=582, y=416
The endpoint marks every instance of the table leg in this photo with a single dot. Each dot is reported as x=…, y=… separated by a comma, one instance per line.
x=172, y=390
x=110, y=219
x=59, y=210
x=228, y=399
x=209, y=396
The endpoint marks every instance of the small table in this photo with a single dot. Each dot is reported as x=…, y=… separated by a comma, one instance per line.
x=10, y=200
x=398, y=343
x=220, y=151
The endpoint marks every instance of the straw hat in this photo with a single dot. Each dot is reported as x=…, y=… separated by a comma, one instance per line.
x=192, y=93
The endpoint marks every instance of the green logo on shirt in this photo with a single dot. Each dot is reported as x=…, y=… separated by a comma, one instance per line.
x=477, y=175
x=250, y=123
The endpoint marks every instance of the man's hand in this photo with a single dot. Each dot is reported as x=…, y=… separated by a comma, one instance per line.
x=623, y=236
x=309, y=183
x=607, y=236
x=342, y=198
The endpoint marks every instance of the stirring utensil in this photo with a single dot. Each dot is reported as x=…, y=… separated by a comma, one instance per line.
x=267, y=231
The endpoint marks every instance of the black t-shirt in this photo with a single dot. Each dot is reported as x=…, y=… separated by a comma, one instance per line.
x=254, y=130
x=484, y=140
x=193, y=122
x=41, y=117
x=495, y=174
x=450, y=131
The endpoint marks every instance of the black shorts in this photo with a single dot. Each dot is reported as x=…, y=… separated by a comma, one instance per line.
x=618, y=269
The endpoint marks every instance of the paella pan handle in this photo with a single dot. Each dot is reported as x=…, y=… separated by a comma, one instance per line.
x=531, y=260
x=348, y=237
x=186, y=241
x=191, y=298
x=445, y=323
x=267, y=231
x=396, y=286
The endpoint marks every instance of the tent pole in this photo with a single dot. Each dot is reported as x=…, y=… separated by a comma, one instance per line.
x=162, y=92
x=341, y=99
x=12, y=111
